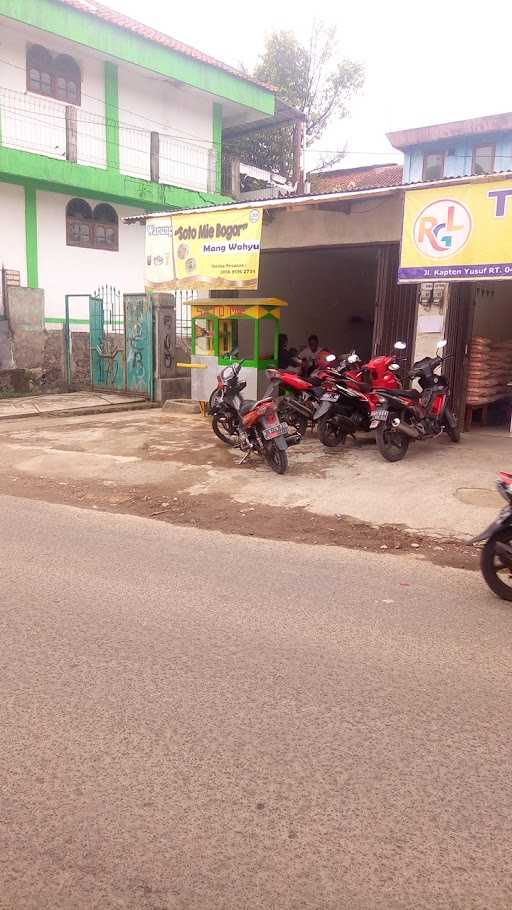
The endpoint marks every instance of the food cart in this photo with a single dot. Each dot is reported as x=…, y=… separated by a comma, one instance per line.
x=247, y=326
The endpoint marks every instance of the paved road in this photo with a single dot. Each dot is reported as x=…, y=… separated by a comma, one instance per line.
x=198, y=722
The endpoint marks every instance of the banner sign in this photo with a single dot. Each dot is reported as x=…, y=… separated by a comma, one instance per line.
x=457, y=233
x=197, y=251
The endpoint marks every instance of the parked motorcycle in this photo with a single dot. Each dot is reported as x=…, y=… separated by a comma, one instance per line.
x=410, y=414
x=347, y=408
x=253, y=426
x=496, y=559
x=301, y=399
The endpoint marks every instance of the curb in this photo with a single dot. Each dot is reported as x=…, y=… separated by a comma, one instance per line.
x=83, y=412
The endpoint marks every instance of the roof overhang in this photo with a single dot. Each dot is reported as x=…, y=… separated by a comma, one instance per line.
x=284, y=114
x=325, y=200
x=476, y=126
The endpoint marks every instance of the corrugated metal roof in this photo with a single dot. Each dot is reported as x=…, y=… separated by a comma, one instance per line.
x=100, y=11
x=338, y=196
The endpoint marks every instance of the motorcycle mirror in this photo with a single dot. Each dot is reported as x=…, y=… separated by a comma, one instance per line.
x=442, y=344
x=330, y=358
x=399, y=345
x=352, y=358
x=394, y=367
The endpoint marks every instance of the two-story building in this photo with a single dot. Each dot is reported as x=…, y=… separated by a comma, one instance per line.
x=101, y=118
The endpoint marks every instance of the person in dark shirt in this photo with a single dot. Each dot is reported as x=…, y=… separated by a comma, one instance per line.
x=286, y=359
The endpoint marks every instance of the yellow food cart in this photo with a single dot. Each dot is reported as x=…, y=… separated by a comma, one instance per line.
x=227, y=329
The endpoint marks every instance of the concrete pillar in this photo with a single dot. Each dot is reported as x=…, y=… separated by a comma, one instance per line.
x=167, y=383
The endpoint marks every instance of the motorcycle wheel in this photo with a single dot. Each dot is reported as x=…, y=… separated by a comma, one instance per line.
x=451, y=426
x=213, y=400
x=224, y=429
x=330, y=433
x=287, y=415
x=391, y=445
x=276, y=458
x=496, y=574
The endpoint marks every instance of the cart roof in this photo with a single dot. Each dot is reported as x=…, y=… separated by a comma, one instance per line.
x=239, y=301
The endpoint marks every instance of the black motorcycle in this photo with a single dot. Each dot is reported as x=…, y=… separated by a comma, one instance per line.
x=496, y=560
x=411, y=414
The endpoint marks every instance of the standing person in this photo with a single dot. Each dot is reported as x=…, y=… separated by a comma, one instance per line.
x=309, y=354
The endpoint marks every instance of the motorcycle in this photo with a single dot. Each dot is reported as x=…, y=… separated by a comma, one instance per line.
x=348, y=407
x=301, y=399
x=252, y=426
x=409, y=414
x=496, y=559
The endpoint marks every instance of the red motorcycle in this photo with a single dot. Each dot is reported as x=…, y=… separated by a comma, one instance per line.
x=348, y=407
x=253, y=426
x=412, y=414
x=302, y=397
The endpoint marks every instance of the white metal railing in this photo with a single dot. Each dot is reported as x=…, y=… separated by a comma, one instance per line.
x=48, y=127
x=184, y=301
x=183, y=164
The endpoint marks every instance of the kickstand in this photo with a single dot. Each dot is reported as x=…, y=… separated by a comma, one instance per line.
x=246, y=456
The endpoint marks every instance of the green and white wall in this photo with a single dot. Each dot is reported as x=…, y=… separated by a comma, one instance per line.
x=130, y=87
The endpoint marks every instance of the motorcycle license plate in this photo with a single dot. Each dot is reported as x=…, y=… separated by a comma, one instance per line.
x=380, y=415
x=278, y=429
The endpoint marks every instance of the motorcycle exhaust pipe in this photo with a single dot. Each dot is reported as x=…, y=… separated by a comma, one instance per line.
x=293, y=439
x=405, y=428
x=298, y=407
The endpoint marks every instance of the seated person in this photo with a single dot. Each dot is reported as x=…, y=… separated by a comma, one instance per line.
x=287, y=358
x=309, y=354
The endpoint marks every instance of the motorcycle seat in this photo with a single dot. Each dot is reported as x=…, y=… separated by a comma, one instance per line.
x=413, y=394
x=247, y=406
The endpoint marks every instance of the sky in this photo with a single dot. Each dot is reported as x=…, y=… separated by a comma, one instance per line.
x=426, y=61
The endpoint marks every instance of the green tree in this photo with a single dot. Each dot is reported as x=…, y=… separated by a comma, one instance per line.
x=313, y=79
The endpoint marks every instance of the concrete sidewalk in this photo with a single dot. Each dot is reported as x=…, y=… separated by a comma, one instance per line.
x=66, y=403
x=439, y=488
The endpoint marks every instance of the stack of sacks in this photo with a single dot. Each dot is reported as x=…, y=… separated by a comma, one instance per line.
x=490, y=370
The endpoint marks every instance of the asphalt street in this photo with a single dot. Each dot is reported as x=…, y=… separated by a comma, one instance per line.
x=196, y=721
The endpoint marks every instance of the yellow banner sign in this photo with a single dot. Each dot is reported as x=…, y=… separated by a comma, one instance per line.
x=220, y=251
x=457, y=233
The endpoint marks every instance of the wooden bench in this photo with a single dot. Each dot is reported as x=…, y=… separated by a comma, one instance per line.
x=482, y=406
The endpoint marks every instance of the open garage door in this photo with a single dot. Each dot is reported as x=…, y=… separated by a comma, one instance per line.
x=330, y=292
x=395, y=305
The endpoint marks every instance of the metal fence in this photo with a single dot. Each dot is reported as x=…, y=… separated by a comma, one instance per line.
x=48, y=127
x=184, y=300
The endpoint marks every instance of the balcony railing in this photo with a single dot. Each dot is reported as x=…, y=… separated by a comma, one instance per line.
x=56, y=130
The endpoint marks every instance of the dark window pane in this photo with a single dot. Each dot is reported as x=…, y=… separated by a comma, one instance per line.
x=34, y=80
x=100, y=235
x=72, y=91
x=85, y=233
x=105, y=214
x=46, y=83
x=60, y=88
x=483, y=159
x=78, y=208
x=433, y=166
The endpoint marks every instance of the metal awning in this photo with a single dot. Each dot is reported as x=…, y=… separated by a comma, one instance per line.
x=328, y=200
